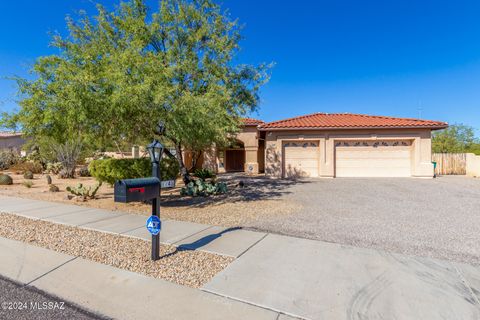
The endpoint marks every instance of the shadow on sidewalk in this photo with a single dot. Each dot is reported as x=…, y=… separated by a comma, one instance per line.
x=200, y=242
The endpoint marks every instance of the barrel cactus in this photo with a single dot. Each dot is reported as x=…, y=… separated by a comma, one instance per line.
x=28, y=175
x=53, y=188
x=49, y=179
x=5, y=179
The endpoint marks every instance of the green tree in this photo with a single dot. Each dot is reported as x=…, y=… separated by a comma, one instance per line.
x=454, y=139
x=117, y=74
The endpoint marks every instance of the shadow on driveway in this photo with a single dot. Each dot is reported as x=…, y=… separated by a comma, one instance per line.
x=254, y=188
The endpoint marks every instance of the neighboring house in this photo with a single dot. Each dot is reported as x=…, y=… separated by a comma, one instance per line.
x=11, y=141
x=330, y=145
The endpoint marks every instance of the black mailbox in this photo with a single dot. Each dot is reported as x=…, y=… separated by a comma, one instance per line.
x=131, y=190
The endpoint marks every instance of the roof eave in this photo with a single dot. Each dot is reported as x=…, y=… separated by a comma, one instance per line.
x=436, y=127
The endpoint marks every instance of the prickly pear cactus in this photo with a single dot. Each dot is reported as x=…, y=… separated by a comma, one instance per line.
x=84, y=192
x=5, y=179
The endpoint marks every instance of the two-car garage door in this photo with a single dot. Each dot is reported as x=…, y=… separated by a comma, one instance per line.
x=370, y=158
x=373, y=158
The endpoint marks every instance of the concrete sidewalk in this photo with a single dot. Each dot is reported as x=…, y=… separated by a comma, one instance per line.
x=114, y=292
x=225, y=241
x=273, y=275
x=319, y=280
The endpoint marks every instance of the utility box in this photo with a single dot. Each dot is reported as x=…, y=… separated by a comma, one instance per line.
x=136, y=190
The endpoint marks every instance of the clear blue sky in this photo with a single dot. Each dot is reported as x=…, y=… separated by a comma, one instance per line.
x=376, y=57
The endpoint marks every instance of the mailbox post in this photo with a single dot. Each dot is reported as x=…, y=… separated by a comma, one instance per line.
x=155, y=149
x=146, y=189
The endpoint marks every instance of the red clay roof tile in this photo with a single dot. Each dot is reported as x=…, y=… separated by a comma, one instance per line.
x=252, y=122
x=349, y=121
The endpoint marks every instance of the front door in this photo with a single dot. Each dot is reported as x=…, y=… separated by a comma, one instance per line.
x=235, y=160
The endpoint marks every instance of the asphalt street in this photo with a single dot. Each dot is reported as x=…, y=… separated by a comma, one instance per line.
x=19, y=302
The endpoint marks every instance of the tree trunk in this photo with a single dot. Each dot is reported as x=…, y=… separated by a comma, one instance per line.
x=183, y=169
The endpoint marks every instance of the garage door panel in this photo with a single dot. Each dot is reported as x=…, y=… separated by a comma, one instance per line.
x=301, y=159
x=389, y=159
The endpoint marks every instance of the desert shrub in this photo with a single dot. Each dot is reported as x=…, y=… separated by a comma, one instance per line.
x=27, y=184
x=8, y=159
x=111, y=170
x=68, y=154
x=28, y=175
x=5, y=179
x=203, y=188
x=32, y=166
x=54, y=167
x=84, y=172
x=53, y=188
x=204, y=174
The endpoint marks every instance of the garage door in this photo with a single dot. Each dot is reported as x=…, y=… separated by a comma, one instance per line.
x=301, y=159
x=373, y=158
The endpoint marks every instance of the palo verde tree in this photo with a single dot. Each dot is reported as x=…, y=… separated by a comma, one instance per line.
x=457, y=138
x=117, y=74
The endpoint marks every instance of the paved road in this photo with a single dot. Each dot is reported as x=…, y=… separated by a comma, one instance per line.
x=26, y=302
x=433, y=217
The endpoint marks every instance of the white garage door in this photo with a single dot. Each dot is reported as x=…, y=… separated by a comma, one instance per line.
x=373, y=158
x=301, y=159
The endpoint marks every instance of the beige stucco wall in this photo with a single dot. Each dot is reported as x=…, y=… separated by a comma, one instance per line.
x=15, y=143
x=421, y=147
x=473, y=165
x=249, y=138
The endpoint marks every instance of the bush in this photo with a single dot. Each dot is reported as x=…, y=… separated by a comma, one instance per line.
x=54, y=167
x=32, y=166
x=53, y=188
x=204, y=174
x=203, y=188
x=83, y=172
x=111, y=170
x=8, y=159
x=5, y=179
x=69, y=154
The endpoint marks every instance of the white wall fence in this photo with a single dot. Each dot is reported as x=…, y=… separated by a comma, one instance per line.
x=473, y=165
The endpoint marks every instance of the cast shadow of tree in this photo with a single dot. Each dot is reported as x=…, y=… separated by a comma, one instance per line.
x=254, y=188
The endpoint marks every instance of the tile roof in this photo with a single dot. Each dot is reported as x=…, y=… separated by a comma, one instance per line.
x=8, y=134
x=349, y=121
x=252, y=122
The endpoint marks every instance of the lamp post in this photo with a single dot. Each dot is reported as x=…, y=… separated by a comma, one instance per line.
x=155, y=149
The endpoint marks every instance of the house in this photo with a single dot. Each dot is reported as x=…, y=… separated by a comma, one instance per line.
x=11, y=141
x=330, y=145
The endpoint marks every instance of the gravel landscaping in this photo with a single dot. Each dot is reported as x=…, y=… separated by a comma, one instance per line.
x=259, y=198
x=190, y=268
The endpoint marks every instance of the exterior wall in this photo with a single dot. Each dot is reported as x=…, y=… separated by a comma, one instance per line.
x=14, y=142
x=473, y=165
x=249, y=137
x=274, y=159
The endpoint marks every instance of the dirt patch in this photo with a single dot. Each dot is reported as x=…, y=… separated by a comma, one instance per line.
x=258, y=198
x=190, y=268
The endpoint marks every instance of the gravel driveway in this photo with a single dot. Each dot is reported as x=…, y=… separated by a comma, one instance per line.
x=435, y=217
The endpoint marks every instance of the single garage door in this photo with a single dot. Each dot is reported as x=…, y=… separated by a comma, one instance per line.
x=373, y=158
x=301, y=159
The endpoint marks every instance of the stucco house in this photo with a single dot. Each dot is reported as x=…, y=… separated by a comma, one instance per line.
x=11, y=141
x=330, y=145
